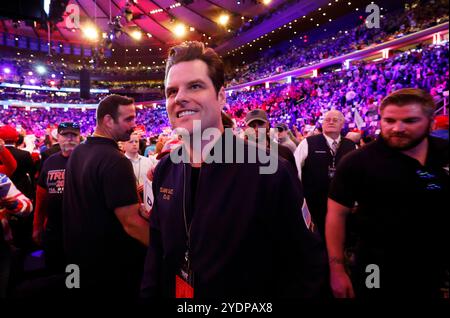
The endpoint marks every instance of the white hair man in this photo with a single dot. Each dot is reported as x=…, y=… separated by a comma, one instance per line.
x=317, y=157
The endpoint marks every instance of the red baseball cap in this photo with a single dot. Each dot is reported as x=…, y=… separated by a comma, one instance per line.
x=8, y=134
x=441, y=122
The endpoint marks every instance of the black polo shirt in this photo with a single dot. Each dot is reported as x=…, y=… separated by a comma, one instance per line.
x=98, y=179
x=401, y=219
x=51, y=178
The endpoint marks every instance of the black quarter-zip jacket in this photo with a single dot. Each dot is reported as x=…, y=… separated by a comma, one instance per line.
x=247, y=235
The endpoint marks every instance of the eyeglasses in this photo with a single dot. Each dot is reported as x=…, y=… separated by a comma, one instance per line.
x=430, y=180
x=68, y=125
x=331, y=120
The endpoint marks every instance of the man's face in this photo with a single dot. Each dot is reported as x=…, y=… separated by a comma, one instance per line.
x=258, y=124
x=281, y=133
x=124, y=126
x=190, y=95
x=333, y=122
x=404, y=127
x=132, y=145
x=68, y=141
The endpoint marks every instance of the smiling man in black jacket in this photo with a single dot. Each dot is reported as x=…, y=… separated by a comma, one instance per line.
x=223, y=229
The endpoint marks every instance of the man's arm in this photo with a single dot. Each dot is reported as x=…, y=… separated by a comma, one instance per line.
x=40, y=214
x=152, y=277
x=335, y=238
x=8, y=162
x=304, y=276
x=300, y=155
x=133, y=223
x=15, y=202
x=123, y=199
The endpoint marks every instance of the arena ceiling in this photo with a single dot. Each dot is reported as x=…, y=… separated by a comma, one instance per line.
x=155, y=20
x=116, y=22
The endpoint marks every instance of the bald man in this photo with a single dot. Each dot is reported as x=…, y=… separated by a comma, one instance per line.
x=316, y=158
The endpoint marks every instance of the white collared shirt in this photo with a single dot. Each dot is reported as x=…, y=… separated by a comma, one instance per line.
x=330, y=140
x=141, y=165
x=301, y=153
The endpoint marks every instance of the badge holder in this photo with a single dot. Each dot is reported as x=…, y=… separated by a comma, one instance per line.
x=331, y=172
x=184, y=280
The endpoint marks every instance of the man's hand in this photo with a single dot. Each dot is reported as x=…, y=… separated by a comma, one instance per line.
x=140, y=188
x=2, y=144
x=37, y=235
x=150, y=173
x=133, y=223
x=297, y=133
x=341, y=286
x=143, y=212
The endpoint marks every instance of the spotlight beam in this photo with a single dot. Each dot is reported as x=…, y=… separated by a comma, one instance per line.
x=101, y=29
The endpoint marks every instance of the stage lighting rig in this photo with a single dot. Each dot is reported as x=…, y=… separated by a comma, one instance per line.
x=116, y=28
x=127, y=12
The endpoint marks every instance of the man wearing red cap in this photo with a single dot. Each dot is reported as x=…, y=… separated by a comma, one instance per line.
x=7, y=162
x=440, y=127
x=24, y=174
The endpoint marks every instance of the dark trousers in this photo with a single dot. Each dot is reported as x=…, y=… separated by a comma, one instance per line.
x=53, y=252
x=5, y=267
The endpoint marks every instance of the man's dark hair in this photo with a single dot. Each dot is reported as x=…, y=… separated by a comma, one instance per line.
x=110, y=106
x=20, y=140
x=407, y=96
x=194, y=50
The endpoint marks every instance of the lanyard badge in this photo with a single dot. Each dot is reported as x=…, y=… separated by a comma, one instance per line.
x=332, y=167
x=331, y=172
x=184, y=280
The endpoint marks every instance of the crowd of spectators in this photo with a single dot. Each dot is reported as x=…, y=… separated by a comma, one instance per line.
x=361, y=88
x=300, y=103
x=415, y=17
x=40, y=121
x=23, y=70
x=303, y=52
x=40, y=96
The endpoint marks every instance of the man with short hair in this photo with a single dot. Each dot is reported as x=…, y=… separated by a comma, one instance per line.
x=317, y=157
x=23, y=179
x=400, y=183
x=7, y=162
x=141, y=164
x=257, y=120
x=23, y=176
x=54, y=148
x=223, y=229
x=47, y=225
x=104, y=233
x=285, y=136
